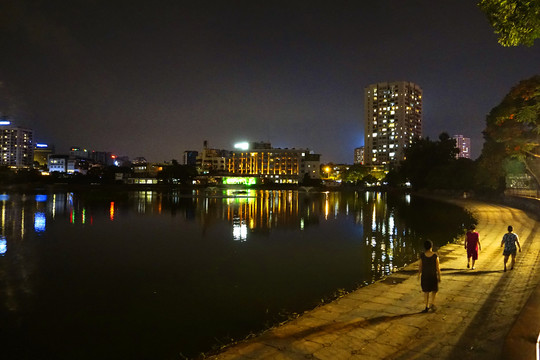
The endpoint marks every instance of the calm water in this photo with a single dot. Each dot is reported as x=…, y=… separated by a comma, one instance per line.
x=151, y=275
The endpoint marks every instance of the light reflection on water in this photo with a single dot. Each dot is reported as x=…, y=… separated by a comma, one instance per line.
x=263, y=253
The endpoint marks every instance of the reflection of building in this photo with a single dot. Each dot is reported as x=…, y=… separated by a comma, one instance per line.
x=276, y=165
x=392, y=119
x=16, y=145
x=359, y=155
x=464, y=146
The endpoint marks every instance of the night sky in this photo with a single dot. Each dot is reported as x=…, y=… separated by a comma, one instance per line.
x=155, y=78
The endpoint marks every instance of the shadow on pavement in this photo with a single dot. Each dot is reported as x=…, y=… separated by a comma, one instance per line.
x=470, y=272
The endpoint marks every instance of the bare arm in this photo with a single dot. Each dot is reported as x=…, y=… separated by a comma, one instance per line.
x=518, y=244
x=479, y=245
x=420, y=268
x=438, y=269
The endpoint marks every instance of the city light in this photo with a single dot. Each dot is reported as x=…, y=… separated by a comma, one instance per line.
x=240, y=181
x=242, y=146
x=3, y=245
x=5, y=122
x=42, y=145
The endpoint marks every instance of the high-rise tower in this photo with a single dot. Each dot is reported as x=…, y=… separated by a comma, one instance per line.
x=16, y=145
x=464, y=146
x=392, y=119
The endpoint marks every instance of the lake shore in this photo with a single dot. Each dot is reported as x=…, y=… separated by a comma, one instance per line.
x=477, y=315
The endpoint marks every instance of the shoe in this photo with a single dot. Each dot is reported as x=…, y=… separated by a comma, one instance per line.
x=468, y=266
x=473, y=268
x=425, y=310
x=504, y=269
x=433, y=307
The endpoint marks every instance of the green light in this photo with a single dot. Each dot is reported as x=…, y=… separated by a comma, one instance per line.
x=240, y=181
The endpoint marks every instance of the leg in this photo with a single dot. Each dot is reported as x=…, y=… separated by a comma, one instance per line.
x=433, y=295
x=426, y=301
x=513, y=261
x=468, y=261
x=505, y=261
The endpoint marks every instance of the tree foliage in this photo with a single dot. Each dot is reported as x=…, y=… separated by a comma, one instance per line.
x=355, y=173
x=513, y=130
x=517, y=22
x=425, y=161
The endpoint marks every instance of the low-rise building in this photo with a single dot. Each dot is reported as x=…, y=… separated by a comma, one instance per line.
x=273, y=164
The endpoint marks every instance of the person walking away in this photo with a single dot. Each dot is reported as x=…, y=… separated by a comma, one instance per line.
x=429, y=272
x=509, y=240
x=472, y=245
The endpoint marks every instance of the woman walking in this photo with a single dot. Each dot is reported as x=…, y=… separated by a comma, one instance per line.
x=509, y=241
x=429, y=273
x=472, y=245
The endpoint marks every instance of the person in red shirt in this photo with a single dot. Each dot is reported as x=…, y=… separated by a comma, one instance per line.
x=472, y=245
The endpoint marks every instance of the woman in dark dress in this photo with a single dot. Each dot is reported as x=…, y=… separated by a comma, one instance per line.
x=429, y=273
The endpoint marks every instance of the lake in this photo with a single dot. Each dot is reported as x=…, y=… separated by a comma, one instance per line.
x=172, y=274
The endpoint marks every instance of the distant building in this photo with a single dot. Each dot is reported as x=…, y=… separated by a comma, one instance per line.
x=277, y=165
x=190, y=157
x=41, y=154
x=212, y=161
x=77, y=152
x=139, y=166
x=16, y=145
x=463, y=144
x=58, y=163
x=359, y=155
x=102, y=157
x=392, y=119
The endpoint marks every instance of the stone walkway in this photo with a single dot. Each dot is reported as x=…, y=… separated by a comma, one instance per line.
x=476, y=309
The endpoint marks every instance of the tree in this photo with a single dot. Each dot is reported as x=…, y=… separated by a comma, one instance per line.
x=425, y=157
x=513, y=130
x=517, y=22
x=355, y=173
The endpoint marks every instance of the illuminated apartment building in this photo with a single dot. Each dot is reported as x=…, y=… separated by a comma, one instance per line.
x=359, y=155
x=464, y=146
x=16, y=145
x=392, y=119
x=288, y=166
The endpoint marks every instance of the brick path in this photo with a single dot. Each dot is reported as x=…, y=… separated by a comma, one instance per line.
x=475, y=308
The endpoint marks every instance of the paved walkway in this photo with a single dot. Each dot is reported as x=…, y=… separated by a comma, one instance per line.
x=476, y=309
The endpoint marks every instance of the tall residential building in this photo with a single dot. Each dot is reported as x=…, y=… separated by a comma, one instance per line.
x=392, y=119
x=359, y=155
x=464, y=146
x=16, y=145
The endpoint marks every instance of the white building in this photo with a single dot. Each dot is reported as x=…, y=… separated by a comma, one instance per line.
x=463, y=144
x=392, y=120
x=16, y=145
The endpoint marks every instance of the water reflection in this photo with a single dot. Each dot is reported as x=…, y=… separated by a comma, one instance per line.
x=63, y=252
x=246, y=211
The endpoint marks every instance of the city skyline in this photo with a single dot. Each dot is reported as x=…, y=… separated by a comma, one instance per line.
x=141, y=79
